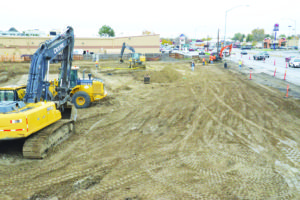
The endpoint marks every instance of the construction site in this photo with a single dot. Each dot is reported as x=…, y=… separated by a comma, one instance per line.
x=208, y=133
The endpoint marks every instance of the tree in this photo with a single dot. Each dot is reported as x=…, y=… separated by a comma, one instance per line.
x=239, y=36
x=282, y=36
x=254, y=43
x=106, y=31
x=269, y=36
x=249, y=38
x=206, y=39
x=258, y=34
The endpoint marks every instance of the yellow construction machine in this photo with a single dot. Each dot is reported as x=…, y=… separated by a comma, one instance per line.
x=84, y=91
x=41, y=118
x=12, y=93
x=136, y=60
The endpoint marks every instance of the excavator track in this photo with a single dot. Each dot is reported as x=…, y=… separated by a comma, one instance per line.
x=37, y=145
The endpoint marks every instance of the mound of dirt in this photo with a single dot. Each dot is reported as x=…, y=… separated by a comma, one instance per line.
x=166, y=75
x=3, y=77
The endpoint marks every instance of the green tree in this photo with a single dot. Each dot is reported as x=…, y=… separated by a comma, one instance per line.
x=269, y=36
x=249, y=38
x=206, y=39
x=258, y=34
x=282, y=36
x=239, y=37
x=106, y=31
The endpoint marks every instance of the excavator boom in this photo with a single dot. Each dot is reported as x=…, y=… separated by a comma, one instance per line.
x=225, y=47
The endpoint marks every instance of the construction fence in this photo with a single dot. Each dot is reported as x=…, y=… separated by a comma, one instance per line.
x=99, y=57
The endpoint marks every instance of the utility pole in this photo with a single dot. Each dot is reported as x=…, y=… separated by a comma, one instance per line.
x=207, y=43
x=218, y=45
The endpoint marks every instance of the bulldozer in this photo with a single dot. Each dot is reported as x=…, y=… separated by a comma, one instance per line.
x=44, y=120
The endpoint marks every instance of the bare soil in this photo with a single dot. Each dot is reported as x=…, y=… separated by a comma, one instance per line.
x=207, y=134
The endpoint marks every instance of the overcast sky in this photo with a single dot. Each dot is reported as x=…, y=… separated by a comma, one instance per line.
x=196, y=19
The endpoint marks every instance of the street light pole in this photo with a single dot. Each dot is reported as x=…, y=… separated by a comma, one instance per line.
x=226, y=18
x=295, y=43
x=295, y=26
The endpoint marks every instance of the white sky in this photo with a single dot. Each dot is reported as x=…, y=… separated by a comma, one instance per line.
x=167, y=18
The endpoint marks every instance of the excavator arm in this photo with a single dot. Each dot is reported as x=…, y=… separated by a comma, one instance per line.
x=123, y=49
x=225, y=47
x=37, y=84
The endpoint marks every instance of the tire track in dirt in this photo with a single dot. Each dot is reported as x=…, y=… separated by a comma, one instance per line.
x=252, y=179
x=53, y=181
x=110, y=185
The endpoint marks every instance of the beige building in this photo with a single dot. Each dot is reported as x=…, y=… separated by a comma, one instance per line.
x=16, y=46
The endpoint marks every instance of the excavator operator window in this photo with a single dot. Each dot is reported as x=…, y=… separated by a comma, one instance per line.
x=7, y=95
x=136, y=56
x=74, y=77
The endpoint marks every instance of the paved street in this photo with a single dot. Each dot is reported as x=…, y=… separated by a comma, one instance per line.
x=268, y=67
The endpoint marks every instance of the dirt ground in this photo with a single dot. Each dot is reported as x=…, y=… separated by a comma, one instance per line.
x=207, y=134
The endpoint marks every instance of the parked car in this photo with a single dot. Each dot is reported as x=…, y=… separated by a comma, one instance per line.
x=243, y=48
x=294, y=62
x=261, y=56
x=201, y=53
x=244, y=52
x=191, y=49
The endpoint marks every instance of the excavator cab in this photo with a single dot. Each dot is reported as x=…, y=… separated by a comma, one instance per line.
x=12, y=93
x=74, y=76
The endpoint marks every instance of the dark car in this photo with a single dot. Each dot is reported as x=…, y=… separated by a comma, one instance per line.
x=201, y=53
x=244, y=52
x=243, y=48
x=261, y=56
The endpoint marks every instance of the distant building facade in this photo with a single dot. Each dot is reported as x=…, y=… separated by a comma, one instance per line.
x=113, y=45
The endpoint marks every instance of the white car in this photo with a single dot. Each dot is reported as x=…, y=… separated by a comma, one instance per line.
x=295, y=62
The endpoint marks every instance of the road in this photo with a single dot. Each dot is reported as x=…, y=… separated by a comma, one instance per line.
x=268, y=66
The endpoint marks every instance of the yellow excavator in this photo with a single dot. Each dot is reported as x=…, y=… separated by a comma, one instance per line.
x=136, y=60
x=12, y=93
x=43, y=119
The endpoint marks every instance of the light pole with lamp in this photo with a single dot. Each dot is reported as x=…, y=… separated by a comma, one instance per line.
x=226, y=18
x=289, y=33
x=295, y=31
x=295, y=27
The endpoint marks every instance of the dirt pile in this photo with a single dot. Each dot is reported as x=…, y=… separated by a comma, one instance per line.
x=166, y=75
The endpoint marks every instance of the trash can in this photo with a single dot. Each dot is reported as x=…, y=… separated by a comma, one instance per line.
x=225, y=65
x=147, y=79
